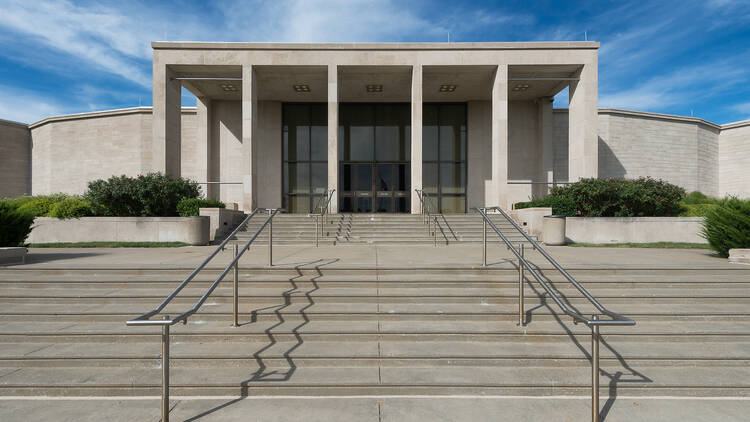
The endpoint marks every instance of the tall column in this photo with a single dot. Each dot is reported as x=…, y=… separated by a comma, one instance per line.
x=416, y=136
x=249, y=138
x=333, y=136
x=499, y=138
x=204, y=153
x=583, y=137
x=547, y=145
x=167, y=121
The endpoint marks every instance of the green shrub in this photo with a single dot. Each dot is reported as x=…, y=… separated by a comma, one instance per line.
x=644, y=197
x=695, y=198
x=189, y=207
x=15, y=225
x=150, y=195
x=727, y=226
x=38, y=207
x=696, y=210
x=561, y=205
x=71, y=208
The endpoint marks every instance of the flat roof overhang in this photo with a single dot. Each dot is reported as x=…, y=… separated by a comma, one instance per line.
x=192, y=45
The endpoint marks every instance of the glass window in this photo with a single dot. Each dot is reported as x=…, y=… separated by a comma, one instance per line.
x=385, y=177
x=444, y=156
x=430, y=132
x=363, y=179
x=305, y=155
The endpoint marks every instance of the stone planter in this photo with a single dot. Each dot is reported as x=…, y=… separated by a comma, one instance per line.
x=191, y=230
x=554, y=230
x=12, y=255
x=634, y=229
x=739, y=256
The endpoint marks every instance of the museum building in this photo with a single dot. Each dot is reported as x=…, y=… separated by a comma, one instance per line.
x=470, y=124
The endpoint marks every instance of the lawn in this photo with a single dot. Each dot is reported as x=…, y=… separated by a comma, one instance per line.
x=109, y=245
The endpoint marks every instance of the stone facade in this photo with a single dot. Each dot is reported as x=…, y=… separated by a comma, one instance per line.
x=15, y=159
x=70, y=151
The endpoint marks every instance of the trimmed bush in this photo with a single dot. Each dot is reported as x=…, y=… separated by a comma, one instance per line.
x=644, y=197
x=695, y=198
x=15, y=225
x=696, y=210
x=727, y=226
x=561, y=205
x=190, y=207
x=150, y=195
x=71, y=208
x=38, y=207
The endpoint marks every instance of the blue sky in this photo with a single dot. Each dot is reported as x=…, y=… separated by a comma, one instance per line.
x=679, y=57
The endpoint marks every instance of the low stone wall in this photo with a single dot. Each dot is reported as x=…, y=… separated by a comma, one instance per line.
x=531, y=219
x=221, y=220
x=739, y=256
x=192, y=230
x=633, y=229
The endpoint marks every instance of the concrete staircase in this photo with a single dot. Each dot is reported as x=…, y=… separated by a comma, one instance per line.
x=295, y=229
x=327, y=330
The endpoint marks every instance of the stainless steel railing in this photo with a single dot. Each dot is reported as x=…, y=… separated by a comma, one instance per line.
x=428, y=217
x=593, y=323
x=167, y=322
x=321, y=216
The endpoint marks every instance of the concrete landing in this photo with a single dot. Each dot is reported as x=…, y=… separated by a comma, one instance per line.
x=378, y=409
x=373, y=256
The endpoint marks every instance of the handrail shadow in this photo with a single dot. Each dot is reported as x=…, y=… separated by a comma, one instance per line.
x=614, y=378
x=262, y=374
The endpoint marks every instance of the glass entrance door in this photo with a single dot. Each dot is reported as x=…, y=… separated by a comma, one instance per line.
x=374, y=154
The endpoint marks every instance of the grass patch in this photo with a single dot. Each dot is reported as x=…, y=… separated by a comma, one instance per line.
x=109, y=245
x=661, y=245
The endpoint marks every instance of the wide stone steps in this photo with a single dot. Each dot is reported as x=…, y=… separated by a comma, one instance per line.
x=359, y=330
x=379, y=228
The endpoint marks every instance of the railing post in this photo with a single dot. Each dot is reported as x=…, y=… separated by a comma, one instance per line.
x=595, y=371
x=316, y=231
x=434, y=234
x=165, y=371
x=236, y=287
x=520, y=287
x=484, y=241
x=270, y=238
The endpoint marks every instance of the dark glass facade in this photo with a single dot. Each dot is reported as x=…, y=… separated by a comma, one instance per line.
x=374, y=156
x=444, y=156
x=305, y=155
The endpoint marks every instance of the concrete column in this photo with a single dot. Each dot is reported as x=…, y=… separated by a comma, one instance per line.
x=498, y=196
x=249, y=138
x=416, y=136
x=204, y=149
x=547, y=144
x=167, y=121
x=333, y=136
x=583, y=138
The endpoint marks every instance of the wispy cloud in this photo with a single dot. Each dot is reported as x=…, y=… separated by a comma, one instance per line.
x=24, y=106
x=679, y=86
x=742, y=108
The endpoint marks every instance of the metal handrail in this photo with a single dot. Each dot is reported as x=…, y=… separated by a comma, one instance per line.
x=617, y=319
x=323, y=212
x=167, y=322
x=594, y=323
x=427, y=216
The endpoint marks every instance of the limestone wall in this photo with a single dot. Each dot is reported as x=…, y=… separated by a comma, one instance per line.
x=15, y=159
x=70, y=151
x=680, y=150
x=734, y=160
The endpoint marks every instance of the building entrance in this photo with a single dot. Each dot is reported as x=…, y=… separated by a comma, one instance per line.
x=374, y=158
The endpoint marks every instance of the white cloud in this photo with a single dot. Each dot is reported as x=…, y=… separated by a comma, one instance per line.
x=679, y=86
x=25, y=106
x=741, y=108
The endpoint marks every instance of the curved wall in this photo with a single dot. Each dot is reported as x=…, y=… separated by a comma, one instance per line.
x=15, y=159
